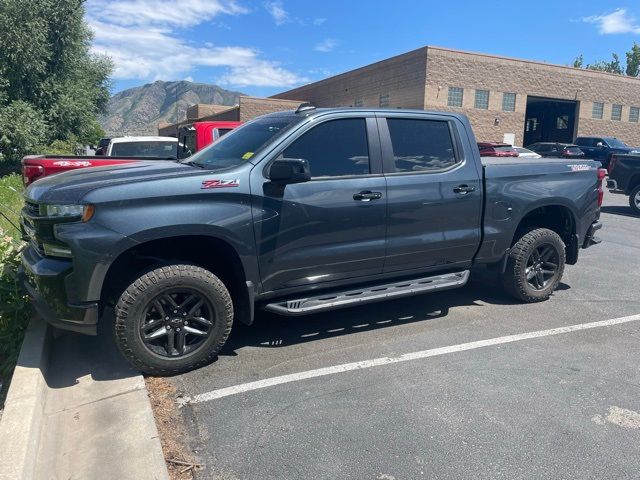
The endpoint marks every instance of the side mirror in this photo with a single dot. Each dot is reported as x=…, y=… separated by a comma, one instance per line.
x=599, y=144
x=290, y=170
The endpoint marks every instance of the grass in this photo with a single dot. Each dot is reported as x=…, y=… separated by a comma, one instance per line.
x=14, y=306
x=11, y=202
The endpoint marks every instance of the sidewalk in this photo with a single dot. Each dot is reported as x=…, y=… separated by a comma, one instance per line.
x=96, y=421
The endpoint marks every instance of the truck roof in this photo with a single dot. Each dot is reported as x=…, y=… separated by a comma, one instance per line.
x=143, y=139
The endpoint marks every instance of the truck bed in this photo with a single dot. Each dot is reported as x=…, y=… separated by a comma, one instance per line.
x=515, y=187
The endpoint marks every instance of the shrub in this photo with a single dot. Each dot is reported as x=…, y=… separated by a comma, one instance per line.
x=14, y=305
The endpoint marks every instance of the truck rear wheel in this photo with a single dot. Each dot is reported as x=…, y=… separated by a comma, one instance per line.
x=173, y=319
x=535, y=266
x=634, y=200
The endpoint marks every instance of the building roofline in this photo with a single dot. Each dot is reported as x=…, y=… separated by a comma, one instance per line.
x=337, y=75
x=533, y=62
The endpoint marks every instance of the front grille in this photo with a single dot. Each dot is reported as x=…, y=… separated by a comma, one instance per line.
x=32, y=209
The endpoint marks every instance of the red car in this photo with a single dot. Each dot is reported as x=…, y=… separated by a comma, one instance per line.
x=495, y=149
x=192, y=139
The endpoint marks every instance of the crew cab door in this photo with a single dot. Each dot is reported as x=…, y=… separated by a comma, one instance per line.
x=434, y=192
x=331, y=227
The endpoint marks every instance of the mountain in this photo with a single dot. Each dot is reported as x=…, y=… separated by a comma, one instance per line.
x=137, y=111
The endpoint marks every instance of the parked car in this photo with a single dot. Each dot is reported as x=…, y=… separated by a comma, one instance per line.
x=526, y=153
x=624, y=178
x=144, y=147
x=296, y=213
x=602, y=148
x=558, y=150
x=35, y=167
x=492, y=149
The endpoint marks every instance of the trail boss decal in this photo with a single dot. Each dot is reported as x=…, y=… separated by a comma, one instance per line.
x=206, y=184
x=579, y=168
x=67, y=163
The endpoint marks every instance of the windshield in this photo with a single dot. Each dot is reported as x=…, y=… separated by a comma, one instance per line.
x=157, y=149
x=505, y=148
x=239, y=145
x=615, y=143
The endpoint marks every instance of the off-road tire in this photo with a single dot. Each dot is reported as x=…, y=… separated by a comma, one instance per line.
x=129, y=315
x=514, y=278
x=632, y=200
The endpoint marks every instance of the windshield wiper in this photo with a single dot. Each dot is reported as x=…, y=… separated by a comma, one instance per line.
x=191, y=163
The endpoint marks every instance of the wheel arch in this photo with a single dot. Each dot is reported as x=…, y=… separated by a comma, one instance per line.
x=557, y=217
x=218, y=255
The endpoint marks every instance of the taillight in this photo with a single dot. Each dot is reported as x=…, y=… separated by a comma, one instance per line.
x=30, y=173
x=612, y=162
x=602, y=173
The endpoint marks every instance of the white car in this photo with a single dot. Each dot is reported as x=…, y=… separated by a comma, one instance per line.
x=144, y=147
x=526, y=153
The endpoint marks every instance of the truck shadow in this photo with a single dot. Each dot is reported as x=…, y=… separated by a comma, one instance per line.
x=274, y=331
x=73, y=356
x=618, y=210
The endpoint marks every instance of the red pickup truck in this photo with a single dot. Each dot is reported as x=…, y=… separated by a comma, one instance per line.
x=192, y=138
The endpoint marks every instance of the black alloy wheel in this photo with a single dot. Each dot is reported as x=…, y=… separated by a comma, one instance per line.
x=177, y=322
x=542, y=266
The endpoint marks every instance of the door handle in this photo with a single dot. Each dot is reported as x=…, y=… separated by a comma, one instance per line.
x=463, y=189
x=367, y=196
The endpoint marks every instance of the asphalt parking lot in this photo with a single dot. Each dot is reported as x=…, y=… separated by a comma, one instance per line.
x=559, y=405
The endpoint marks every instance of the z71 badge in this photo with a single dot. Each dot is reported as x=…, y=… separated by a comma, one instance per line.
x=206, y=184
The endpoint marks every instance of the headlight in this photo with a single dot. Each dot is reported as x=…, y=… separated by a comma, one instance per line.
x=84, y=211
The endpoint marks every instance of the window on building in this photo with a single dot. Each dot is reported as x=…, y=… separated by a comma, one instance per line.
x=384, y=100
x=634, y=114
x=482, y=99
x=616, y=112
x=454, y=98
x=421, y=145
x=562, y=122
x=334, y=148
x=358, y=102
x=509, y=102
x=598, y=110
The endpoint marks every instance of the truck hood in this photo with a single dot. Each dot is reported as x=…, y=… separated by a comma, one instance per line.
x=71, y=186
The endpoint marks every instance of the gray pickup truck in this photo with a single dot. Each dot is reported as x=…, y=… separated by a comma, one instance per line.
x=295, y=213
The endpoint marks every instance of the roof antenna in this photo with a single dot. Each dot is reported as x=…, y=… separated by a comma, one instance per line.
x=305, y=107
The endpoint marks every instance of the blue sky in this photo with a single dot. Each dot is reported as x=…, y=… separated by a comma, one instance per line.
x=264, y=47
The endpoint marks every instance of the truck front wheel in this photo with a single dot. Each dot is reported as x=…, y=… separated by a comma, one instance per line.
x=173, y=319
x=535, y=265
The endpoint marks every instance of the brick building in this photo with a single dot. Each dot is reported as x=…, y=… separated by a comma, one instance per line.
x=246, y=109
x=506, y=99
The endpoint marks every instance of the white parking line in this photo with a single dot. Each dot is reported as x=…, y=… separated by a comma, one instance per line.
x=376, y=362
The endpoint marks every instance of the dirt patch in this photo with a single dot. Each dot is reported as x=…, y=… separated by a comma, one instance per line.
x=180, y=460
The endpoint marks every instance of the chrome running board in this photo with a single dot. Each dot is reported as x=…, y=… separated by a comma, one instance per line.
x=372, y=293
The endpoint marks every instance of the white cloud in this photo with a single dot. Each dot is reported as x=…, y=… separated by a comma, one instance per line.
x=261, y=74
x=616, y=22
x=319, y=21
x=161, y=12
x=326, y=45
x=277, y=11
x=148, y=47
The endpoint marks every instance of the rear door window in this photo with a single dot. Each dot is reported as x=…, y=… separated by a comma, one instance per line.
x=335, y=148
x=421, y=145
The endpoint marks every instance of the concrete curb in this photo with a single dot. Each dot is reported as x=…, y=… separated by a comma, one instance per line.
x=74, y=409
x=23, y=416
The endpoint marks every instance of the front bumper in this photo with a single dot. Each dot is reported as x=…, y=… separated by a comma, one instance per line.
x=44, y=280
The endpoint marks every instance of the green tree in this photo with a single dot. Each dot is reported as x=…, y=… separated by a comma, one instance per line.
x=45, y=62
x=23, y=129
x=633, y=61
x=612, y=66
x=577, y=63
